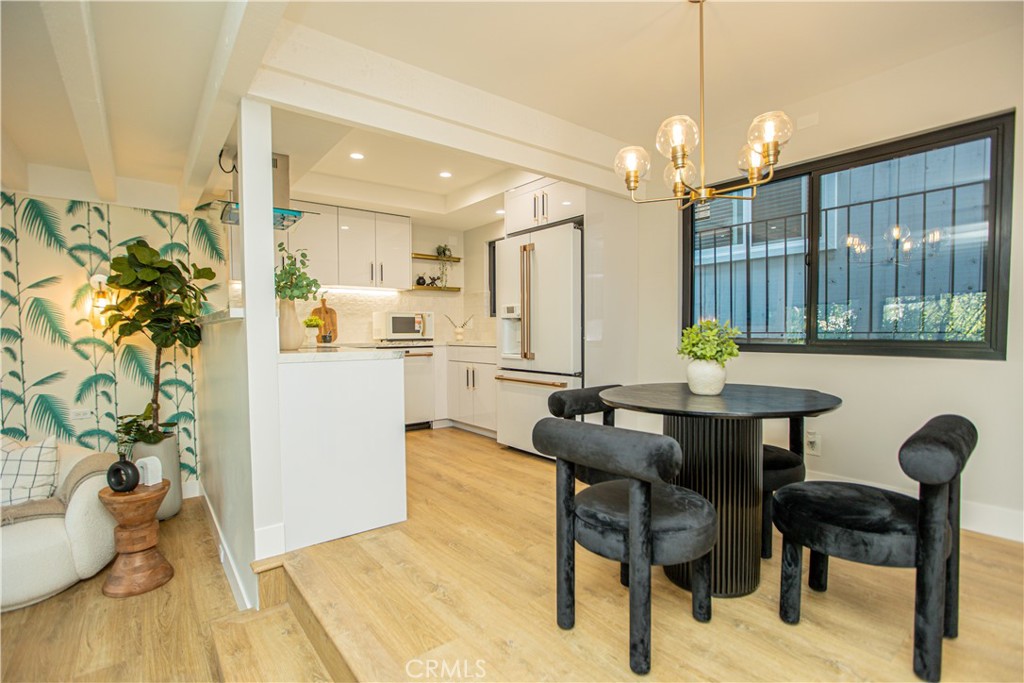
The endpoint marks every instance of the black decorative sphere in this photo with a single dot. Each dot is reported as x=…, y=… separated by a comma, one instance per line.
x=123, y=476
x=421, y=280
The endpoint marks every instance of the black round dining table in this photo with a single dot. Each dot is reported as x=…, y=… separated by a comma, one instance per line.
x=720, y=437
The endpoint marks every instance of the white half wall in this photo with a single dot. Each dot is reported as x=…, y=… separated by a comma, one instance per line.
x=884, y=398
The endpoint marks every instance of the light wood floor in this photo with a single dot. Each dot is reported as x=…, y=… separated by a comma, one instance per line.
x=163, y=635
x=467, y=584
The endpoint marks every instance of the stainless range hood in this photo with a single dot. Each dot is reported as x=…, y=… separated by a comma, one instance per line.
x=284, y=218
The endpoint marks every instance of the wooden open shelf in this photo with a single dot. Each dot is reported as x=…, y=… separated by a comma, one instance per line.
x=434, y=257
x=425, y=288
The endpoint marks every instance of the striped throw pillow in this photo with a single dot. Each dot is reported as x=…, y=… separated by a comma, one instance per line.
x=29, y=472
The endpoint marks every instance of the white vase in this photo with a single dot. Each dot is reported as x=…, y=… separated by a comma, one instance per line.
x=460, y=334
x=705, y=377
x=290, y=330
x=170, y=466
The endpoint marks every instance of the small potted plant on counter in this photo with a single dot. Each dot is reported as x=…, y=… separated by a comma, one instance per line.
x=312, y=325
x=709, y=344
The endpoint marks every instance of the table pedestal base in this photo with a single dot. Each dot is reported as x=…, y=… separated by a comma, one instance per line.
x=722, y=462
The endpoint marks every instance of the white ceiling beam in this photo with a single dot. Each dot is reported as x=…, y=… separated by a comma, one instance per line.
x=488, y=187
x=245, y=32
x=365, y=195
x=74, y=44
x=310, y=72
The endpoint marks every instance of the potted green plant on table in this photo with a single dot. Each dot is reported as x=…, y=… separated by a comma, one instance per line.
x=158, y=299
x=292, y=282
x=709, y=344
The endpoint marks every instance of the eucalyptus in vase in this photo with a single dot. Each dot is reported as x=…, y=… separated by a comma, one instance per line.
x=292, y=282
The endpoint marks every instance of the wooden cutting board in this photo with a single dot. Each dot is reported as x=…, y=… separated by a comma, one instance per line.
x=330, y=318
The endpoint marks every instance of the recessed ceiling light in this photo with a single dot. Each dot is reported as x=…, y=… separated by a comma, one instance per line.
x=344, y=227
x=445, y=174
x=500, y=212
x=356, y=156
x=566, y=203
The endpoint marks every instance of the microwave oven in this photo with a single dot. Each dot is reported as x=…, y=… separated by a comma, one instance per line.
x=398, y=326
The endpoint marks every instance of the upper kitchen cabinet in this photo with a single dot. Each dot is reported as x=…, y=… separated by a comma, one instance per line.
x=374, y=250
x=541, y=202
x=394, y=251
x=317, y=234
x=357, y=251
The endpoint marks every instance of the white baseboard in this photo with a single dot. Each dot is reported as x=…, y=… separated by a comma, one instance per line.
x=981, y=517
x=472, y=428
x=269, y=541
x=242, y=600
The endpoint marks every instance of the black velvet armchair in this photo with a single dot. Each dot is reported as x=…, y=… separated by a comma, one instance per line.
x=639, y=519
x=878, y=527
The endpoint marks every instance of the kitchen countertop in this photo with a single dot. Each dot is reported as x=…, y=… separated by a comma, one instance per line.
x=332, y=354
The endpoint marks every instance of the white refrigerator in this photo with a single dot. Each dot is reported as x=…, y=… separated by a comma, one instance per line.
x=540, y=328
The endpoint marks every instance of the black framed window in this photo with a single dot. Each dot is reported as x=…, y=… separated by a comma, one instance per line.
x=898, y=249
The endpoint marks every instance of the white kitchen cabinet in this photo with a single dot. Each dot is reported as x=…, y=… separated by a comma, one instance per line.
x=357, y=257
x=541, y=202
x=374, y=249
x=471, y=391
x=317, y=233
x=394, y=251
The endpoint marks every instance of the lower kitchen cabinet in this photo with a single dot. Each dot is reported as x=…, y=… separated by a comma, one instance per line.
x=471, y=391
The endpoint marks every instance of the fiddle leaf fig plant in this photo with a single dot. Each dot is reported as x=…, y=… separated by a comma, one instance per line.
x=710, y=340
x=291, y=281
x=157, y=298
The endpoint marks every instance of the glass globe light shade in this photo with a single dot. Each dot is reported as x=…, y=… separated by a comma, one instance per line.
x=749, y=158
x=677, y=131
x=687, y=174
x=772, y=126
x=632, y=159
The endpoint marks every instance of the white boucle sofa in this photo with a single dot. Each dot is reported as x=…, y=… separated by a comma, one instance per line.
x=49, y=545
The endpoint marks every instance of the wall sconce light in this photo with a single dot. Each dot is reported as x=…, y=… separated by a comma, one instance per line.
x=101, y=298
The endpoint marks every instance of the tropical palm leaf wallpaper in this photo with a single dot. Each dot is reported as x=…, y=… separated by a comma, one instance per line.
x=55, y=363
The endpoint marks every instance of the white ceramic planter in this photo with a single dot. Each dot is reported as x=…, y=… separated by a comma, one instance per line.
x=705, y=377
x=167, y=452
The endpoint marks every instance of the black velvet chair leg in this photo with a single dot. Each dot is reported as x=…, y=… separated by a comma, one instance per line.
x=817, y=575
x=700, y=587
x=789, y=589
x=930, y=592
x=624, y=574
x=766, y=525
x=640, y=576
x=952, y=620
x=566, y=542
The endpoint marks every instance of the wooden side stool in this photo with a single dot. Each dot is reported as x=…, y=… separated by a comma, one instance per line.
x=139, y=567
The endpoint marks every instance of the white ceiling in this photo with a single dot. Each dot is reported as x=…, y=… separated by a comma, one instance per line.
x=169, y=75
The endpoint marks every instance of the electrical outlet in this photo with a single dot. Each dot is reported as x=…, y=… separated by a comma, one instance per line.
x=812, y=444
x=81, y=414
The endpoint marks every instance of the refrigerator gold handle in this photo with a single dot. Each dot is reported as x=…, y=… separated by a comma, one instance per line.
x=525, y=281
x=539, y=383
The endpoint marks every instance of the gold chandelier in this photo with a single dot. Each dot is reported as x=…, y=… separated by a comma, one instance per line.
x=679, y=136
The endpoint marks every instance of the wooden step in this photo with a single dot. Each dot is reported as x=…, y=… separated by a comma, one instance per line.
x=268, y=645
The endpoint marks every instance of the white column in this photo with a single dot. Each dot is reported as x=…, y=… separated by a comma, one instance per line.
x=258, y=244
